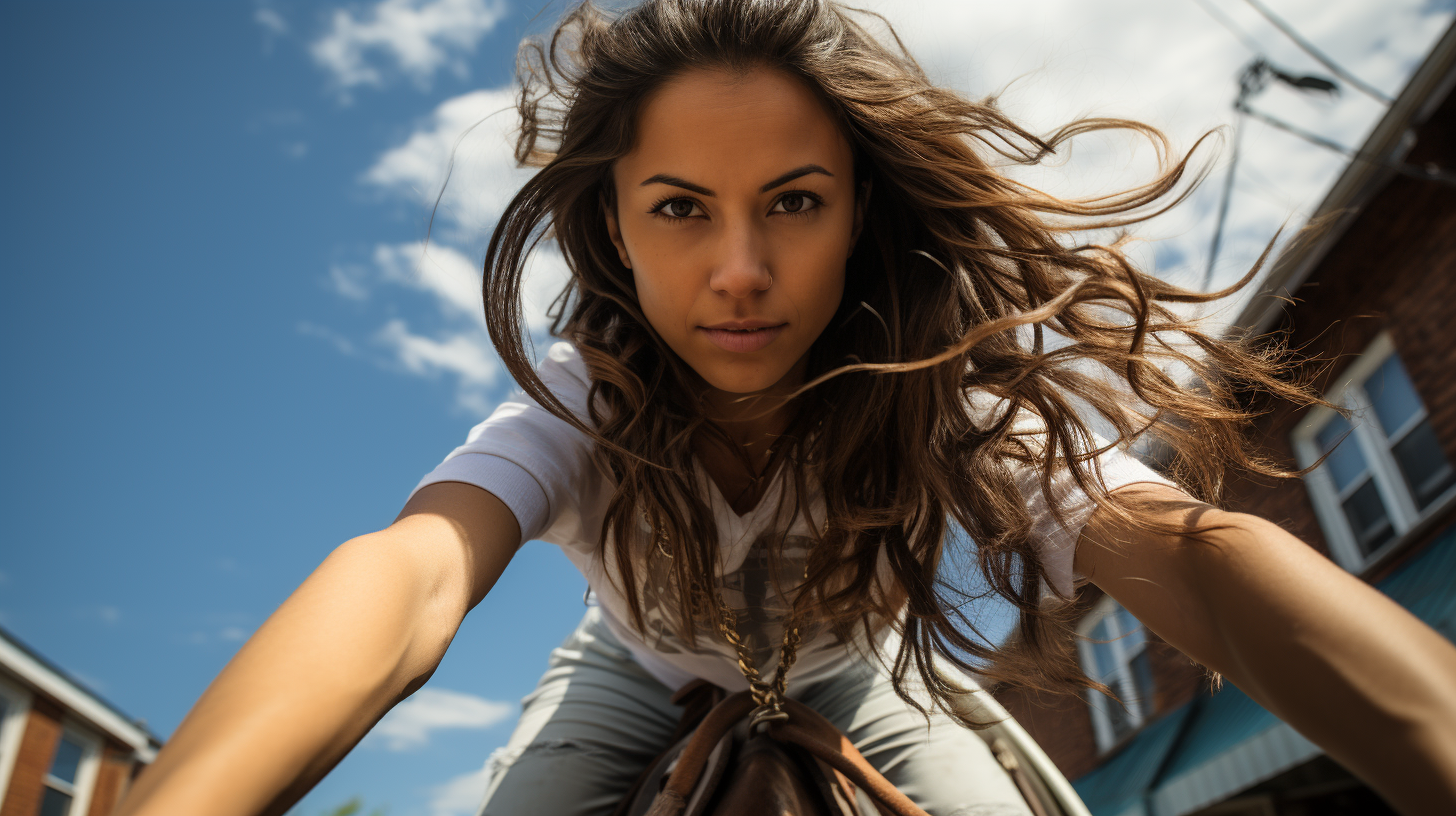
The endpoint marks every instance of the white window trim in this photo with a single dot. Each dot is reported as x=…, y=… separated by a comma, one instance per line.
x=86, y=772
x=17, y=698
x=1122, y=675
x=1389, y=483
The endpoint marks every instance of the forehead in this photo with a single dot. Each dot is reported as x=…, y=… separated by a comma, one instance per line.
x=710, y=125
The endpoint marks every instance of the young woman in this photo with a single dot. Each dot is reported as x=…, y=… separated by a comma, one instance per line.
x=823, y=363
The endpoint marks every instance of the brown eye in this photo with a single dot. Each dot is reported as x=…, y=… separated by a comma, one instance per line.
x=681, y=208
x=796, y=203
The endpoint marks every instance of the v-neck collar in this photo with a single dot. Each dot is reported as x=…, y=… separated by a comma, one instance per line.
x=732, y=525
x=737, y=533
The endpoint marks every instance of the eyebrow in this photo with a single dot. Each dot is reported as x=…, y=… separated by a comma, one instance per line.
x=798, y=172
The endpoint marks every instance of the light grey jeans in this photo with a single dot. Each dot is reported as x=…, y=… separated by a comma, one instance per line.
x=597, y=718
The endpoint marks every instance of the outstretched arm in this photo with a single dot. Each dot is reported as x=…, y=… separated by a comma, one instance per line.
x=363, y=632
x=1347, y=667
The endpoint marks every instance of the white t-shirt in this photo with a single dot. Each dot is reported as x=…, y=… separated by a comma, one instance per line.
x=541, y=468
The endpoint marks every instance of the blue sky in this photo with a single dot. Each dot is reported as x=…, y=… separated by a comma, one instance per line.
x=226, y=353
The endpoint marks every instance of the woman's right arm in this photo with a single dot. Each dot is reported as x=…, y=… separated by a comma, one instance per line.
x=363, y=632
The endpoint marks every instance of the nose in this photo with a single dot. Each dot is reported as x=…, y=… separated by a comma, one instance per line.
x=742, y=266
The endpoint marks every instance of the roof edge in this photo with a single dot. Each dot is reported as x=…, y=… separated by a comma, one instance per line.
x=31, y=668
x=1354, y=188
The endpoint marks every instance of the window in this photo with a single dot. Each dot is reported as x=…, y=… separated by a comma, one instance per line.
x=1385, y=470
x=72, y=771
x=1115, y=652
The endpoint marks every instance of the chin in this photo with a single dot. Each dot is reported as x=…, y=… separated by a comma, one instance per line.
x=740, y=382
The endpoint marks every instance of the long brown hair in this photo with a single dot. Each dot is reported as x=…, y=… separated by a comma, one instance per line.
x=965, y=286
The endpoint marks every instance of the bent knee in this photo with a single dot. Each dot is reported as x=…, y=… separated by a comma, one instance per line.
x=565, y=776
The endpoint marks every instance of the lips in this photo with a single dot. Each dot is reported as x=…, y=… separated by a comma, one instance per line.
x=743, y=335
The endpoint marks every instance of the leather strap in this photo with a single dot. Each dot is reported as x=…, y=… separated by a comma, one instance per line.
x=805, y=728
x=809, y=730
x=694, y=757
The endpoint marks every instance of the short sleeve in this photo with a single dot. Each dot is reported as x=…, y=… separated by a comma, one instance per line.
x=523, y=454
x=1057, y=541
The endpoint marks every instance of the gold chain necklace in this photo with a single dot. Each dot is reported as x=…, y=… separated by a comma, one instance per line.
x=768, y=695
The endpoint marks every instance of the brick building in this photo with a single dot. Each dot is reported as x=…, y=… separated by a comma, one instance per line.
x=63, y=750
x=1374, y=295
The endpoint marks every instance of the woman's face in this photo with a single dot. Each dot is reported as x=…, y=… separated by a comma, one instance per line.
x=736, y=211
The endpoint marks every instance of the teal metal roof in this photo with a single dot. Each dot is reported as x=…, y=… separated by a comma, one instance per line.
x=1119, y=785
x=1227, y=719
x=1426, y=585
x=1182, y=742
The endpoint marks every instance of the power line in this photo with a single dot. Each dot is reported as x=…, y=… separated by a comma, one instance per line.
x=1428, y=172
x=1228, y=22
x=1255, y=77
x=1223, y=204
x=1250, y=84
x=1309, y=48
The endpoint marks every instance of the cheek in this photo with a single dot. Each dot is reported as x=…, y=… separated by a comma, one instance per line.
x=659, y=300
x=824, y=279
x=646, y=294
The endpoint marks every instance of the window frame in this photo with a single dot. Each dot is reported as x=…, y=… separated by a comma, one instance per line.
x=12, y=728
x=86, y=770
x=1120, y=679
x=1348, y=390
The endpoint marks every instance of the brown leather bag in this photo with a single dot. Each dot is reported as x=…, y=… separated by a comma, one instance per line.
x=799, y=765
x=796, y=764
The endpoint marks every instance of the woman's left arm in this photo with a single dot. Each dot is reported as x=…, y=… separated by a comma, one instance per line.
x=1346, y=666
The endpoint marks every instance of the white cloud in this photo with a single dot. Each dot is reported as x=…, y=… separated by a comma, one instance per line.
x=409, y=725
x=444, y=272
x=233, y=634
x=472, y=138
x=1118, y=58
x=340, y=343
x=271, y=21
x=546, y=274
x=469, y=138
x=415, y=37
x=351, y=280
x=461, y=795
x=463, y=355
x=457, y=344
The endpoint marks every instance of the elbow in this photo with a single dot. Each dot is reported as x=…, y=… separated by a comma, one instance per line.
x=427, y=607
